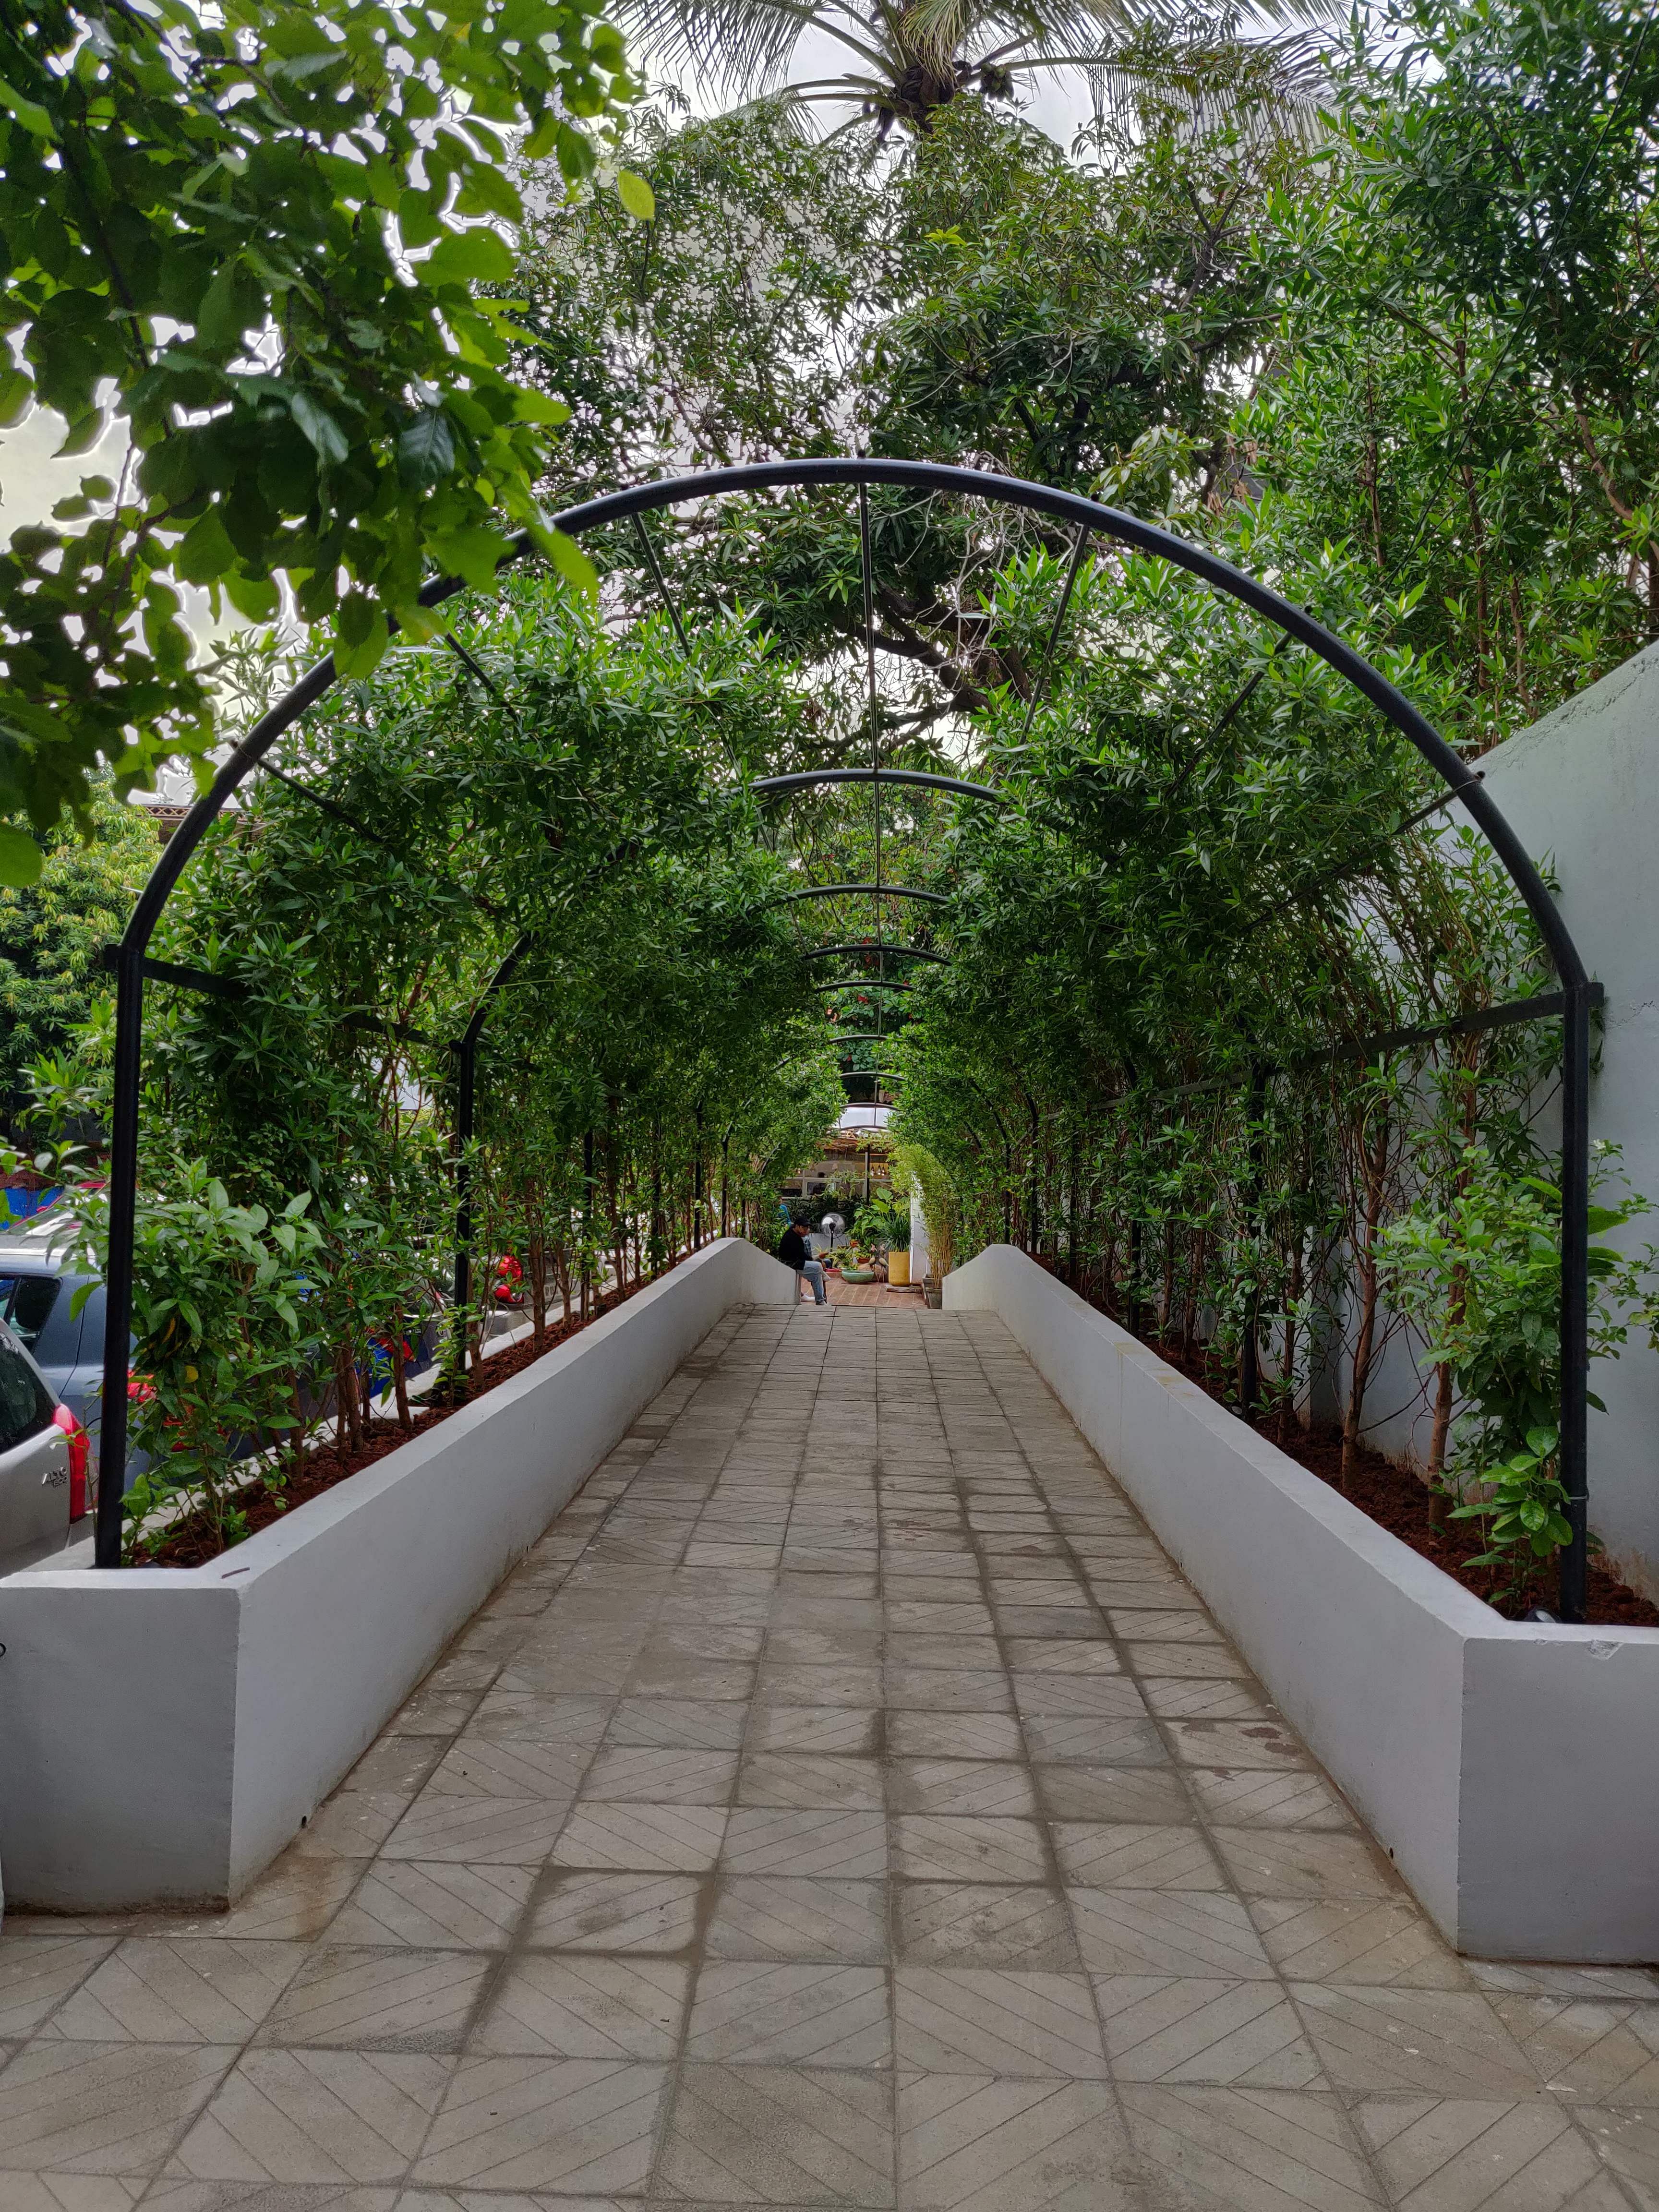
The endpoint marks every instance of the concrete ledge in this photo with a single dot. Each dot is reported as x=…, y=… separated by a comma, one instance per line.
x=163, y=1732
x=1511, y=1772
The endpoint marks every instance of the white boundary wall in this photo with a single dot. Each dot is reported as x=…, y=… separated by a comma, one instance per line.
x=165, y=1731
x=1511, y=1772
x=1581, y=788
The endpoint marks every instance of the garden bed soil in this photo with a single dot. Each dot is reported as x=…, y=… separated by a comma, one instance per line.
x=1399, y=1501
x=193, y=1543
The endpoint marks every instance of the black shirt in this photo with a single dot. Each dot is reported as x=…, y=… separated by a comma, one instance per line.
x=791, y=1248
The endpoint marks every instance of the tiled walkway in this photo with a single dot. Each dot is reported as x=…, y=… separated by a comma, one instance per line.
x=845, y=1804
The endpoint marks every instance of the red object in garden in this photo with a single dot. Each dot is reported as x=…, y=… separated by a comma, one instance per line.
x=509, y=1276
x=80, y=1448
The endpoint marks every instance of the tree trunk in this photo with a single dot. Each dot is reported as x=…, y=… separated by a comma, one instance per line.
x=1366, y=1344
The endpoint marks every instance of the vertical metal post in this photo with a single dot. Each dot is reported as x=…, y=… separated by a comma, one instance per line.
x=117, y=1272
x=1132, y=1304
x=1250, y=1353
x=1007, y=1192
x=1575, y=1293
x=725, y=1177
x=466, y=1069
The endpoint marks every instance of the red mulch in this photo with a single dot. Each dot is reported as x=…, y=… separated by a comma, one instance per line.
x=1399, y=1501
x=193, y=1542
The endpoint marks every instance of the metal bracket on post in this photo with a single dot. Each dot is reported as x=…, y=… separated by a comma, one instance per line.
x=465, y=1050
x=117, y=1274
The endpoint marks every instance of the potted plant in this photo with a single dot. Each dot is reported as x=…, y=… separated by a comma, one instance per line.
x=898, y=1247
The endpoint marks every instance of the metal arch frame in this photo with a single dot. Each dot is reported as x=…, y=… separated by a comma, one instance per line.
x=927, y=477
x=847, y=891
x=806, y=778
x=864, y=983
x=902, y=952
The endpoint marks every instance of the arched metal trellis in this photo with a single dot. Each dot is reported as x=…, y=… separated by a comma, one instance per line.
x=1088, y=519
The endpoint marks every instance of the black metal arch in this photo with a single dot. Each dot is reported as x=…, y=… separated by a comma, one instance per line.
x=899, y=951
x=805, y=778
x=866, y=983
x=880, y=890
x=1088, y=518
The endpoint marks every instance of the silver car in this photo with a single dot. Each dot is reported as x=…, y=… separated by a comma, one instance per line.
x=37, y=1303
x=38, y=1442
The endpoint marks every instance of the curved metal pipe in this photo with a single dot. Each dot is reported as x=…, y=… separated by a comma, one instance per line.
x=927, y=477
x=906, y=951
x=805, y=778
x=880, y=890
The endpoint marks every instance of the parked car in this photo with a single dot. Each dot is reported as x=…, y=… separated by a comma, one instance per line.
x=38, y=1288
x=37, y=1302
x=43, y=1461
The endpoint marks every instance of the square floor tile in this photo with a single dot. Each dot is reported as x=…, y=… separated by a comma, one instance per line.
x=659, y=1775
x=678, y=1723
x=961, y=1785
x=1183, y=1932
x=941, y=1690
x=179, y=1989
x=101, y=2108
x=1438, y=2154
x=782, y=1916
x=781, y=2136
x=960, y=2020
x=1235, y=1743
x=1181, y=2028
x=315, y=2116
x=583, y=2127
x=1304, y=1863
x=954, y=1735
x=927, y=1848
x=643, y=1839
x=435, y=1905
x=401, y=2000
x=805, y=1780
x=1130, y=1855
x=480, y=1830
x=1390, y=1942
x=500, y=1766
x=1146, y=1794
x=1040, y=2144
x=627, y=1912
x=565, y=2005
x=789, y=2013
x=768, y=1840
x=1257, y=1798
x=37, y=1972
x=983, y=1924
x=849, y=1729
x=1211, y=2149
x=1442, y=2042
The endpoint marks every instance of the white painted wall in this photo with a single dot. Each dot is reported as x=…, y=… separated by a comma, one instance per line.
x=1510, y=1770
x=1582, y=789
x=163, y=1732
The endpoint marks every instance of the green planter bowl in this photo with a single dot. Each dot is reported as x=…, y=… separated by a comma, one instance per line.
x=858, y=1274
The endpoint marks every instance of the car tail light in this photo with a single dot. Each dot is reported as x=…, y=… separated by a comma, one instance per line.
x=79, y=1451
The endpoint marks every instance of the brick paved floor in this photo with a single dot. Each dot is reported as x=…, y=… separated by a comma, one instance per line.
x=846, y=1803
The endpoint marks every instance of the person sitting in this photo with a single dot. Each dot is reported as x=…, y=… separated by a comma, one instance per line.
x=792, y=1250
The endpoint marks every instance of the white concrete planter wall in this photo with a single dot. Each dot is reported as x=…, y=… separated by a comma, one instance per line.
x=164, y=1732
x=1511, y=1772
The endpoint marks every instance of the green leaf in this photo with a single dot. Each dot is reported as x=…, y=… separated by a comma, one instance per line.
x=257, y=597
x=478, y=255
x=473, y=554
x=425, y=450
x=635, y=194
x=205, y=552
x=327, y=438
x=20, y=858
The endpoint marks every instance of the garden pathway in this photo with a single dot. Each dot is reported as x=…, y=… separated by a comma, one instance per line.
x=846, y=1803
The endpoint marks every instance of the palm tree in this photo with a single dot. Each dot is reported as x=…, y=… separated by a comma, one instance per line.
x=909, y=57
